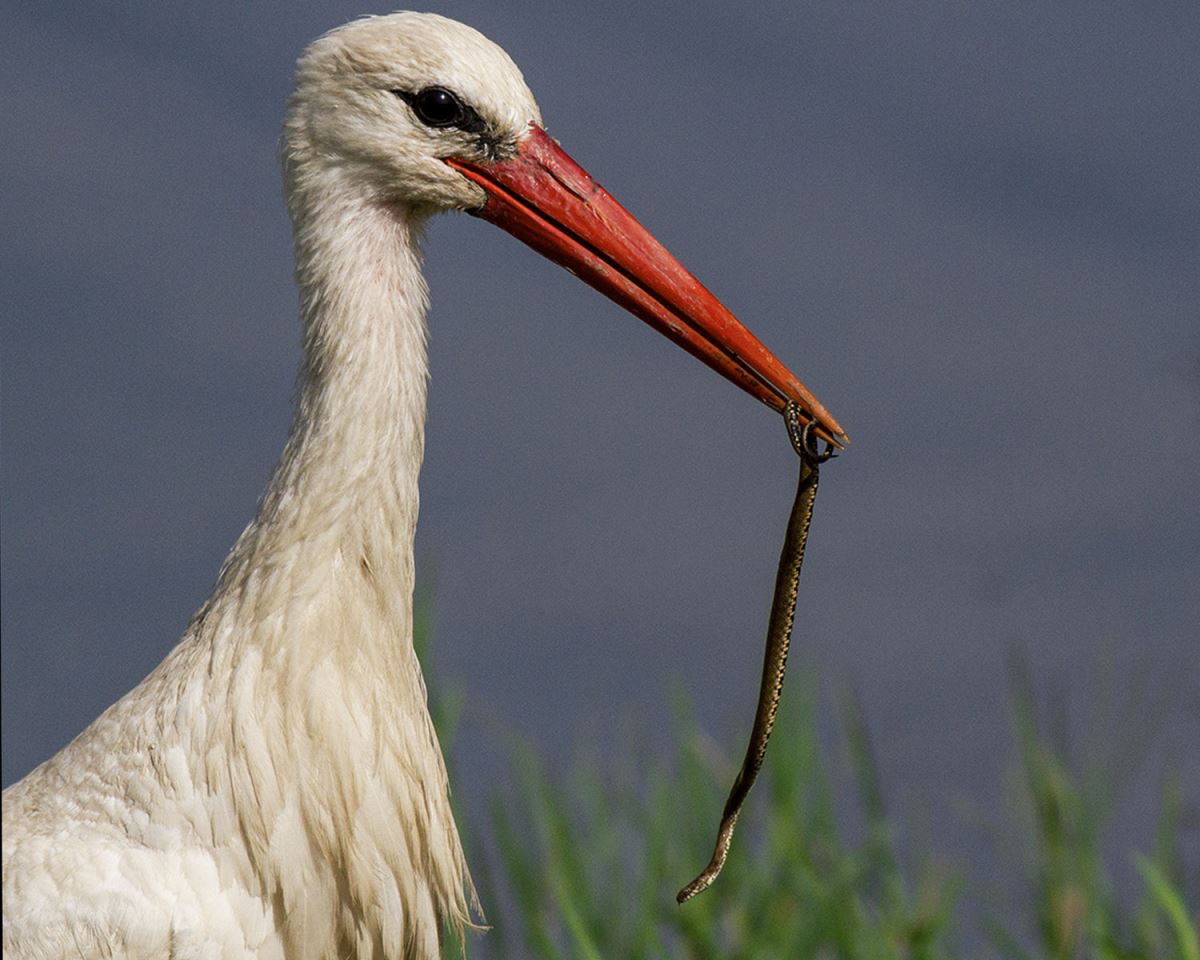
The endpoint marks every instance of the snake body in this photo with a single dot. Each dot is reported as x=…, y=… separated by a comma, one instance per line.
x=779, y=635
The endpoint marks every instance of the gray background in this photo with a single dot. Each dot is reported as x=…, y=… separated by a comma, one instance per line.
x=972, y=228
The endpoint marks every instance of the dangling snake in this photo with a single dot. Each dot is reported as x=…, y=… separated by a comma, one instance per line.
x=779, y=635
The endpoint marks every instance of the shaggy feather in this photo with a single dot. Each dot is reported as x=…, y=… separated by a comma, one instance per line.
x=274, y=788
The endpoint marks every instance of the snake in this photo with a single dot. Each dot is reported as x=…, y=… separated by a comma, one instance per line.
x=779, y=635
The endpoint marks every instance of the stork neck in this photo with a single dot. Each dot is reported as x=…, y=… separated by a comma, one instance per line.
x=348, y=477
x=357, y=442
x=311, y=624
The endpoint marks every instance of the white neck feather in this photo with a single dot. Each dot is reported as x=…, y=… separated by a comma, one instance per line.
x=276, y=785
x=313, y=611
x=347, y=480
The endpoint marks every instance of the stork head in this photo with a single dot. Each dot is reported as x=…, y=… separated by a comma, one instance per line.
x=384, y=101
x=425, y=113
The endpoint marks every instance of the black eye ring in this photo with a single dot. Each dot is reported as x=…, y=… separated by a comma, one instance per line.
x=437, y=107
x=441, y=108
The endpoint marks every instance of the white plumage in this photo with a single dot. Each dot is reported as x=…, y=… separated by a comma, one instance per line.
x=275, y=789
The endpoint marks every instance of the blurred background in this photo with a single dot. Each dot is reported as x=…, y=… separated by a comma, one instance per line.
x=973, y=229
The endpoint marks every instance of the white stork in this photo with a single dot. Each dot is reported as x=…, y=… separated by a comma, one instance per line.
x=274, y=788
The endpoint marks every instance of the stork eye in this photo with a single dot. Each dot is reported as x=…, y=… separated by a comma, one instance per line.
x=441, y=108
x=438, y=107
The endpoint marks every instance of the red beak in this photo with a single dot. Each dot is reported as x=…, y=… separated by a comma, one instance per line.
x=544, y=198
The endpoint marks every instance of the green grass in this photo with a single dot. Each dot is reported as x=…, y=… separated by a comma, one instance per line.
x=584, y=863
x=1075, y=913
